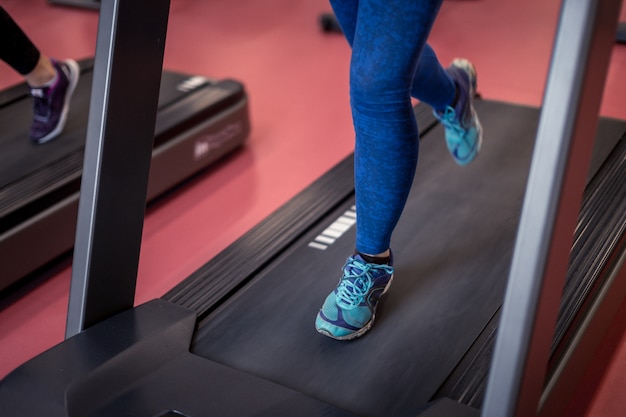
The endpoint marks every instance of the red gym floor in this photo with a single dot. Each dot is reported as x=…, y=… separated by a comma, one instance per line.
x=296, y=78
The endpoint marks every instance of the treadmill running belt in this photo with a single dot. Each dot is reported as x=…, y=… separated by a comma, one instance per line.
x=452, y=248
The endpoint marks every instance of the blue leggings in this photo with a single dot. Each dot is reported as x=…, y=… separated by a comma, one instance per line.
x=391, y=62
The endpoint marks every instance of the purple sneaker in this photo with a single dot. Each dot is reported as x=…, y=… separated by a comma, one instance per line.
x=51, y=104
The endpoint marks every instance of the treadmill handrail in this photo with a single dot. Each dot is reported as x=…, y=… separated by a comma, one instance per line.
x=560, y=162
x=127, y=73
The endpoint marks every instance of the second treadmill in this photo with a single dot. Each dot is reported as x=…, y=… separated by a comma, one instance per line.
x=199, y=121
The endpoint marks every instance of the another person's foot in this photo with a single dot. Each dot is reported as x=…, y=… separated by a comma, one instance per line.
x=349, y=310
x=51, y=103
x=463, y=131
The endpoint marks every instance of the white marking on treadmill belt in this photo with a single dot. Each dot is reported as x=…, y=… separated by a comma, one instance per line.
x=335, y=230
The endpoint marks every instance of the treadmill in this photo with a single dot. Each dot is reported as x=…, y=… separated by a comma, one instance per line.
x=199, y=121
x=237, y=337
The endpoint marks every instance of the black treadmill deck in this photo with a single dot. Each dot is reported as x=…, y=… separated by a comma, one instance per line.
x=452, y=249
x=452, y=252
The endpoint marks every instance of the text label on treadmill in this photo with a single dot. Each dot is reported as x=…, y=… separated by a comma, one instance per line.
x=209, y=142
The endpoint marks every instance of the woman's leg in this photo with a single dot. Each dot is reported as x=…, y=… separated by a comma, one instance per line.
x=431, y=83
x=16, y=49
x=390, y=62
x=387, y=38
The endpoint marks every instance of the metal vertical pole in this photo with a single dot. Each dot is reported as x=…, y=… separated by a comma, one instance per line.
x=561, y=158
x=120, y=132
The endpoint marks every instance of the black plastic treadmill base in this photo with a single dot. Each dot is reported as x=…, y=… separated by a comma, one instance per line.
x=138, y=364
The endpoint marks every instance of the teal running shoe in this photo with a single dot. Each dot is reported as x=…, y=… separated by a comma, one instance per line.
x=464, y=134
x=349, y=310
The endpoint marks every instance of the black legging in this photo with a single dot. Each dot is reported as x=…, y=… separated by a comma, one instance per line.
x=15, y=47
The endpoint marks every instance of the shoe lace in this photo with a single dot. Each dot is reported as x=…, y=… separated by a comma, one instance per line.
x=450, y=121
x=356, y=282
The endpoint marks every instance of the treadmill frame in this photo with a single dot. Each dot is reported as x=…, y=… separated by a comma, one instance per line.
x=108, y=234
x=561, y=159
